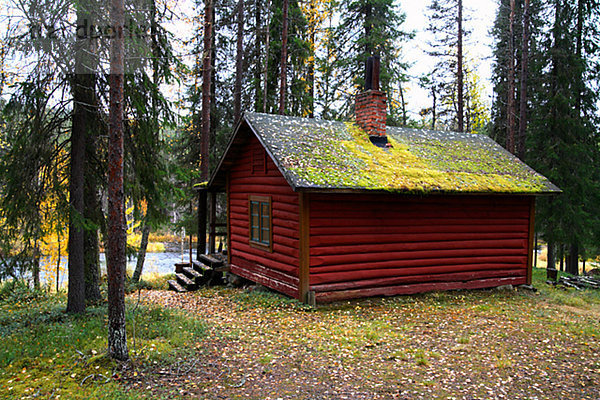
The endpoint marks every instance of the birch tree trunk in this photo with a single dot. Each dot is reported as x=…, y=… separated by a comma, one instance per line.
x=459, y=72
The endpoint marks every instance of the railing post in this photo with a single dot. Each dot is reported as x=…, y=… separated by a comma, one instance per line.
x=202, y=200
x=212, y=229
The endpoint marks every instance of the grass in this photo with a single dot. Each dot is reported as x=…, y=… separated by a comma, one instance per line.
x=258, y=344
x=50, y=354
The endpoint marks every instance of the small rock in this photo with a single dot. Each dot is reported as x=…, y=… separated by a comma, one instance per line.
x=504, y=288
x=593, y=272
x=235, y=280
x=528, y=287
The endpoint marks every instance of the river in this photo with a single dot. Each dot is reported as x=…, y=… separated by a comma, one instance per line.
x=154, y=264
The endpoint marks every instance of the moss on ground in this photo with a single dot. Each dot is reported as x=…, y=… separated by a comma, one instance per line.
x=47, y=353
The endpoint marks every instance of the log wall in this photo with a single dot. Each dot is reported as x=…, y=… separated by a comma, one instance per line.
x=278, y=269
x=368, y=245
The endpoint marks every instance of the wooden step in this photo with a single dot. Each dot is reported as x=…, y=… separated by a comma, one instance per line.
x=179, y=267
x=193, y=275
x=210, y=261
x=185, y=282
x=175, y=286
x=201, y=267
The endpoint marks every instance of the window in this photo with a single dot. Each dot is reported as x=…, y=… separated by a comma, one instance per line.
x=260, y=222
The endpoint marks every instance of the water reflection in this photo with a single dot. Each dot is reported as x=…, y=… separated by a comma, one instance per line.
x=154, y=263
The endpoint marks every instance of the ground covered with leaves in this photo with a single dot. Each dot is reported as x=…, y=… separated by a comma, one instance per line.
x=457, y=345
x=222, y=343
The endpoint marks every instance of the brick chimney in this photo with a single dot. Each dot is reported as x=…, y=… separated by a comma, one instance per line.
x=371, y=108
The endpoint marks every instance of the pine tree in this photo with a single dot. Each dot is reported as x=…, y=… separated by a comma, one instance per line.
x=116, y=236
x=446, y=23
x=563, y=139
x=370, y=27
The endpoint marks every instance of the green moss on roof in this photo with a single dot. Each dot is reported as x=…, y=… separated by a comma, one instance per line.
x=317, y=154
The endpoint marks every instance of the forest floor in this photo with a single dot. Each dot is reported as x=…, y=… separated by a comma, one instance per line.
x=480, y=344
x=220, y=343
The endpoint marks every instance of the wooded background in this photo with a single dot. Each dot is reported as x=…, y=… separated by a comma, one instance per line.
x=300, y=58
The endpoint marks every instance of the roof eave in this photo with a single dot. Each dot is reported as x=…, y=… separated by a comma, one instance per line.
x=326, y=190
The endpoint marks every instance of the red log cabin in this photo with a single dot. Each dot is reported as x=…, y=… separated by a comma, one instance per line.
x=325, y=211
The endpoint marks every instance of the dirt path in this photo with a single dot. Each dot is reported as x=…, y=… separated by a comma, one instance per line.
x=461, y=345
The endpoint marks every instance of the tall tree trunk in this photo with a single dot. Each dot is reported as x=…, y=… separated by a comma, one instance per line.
x=311, y=63
x=433, y=108
x=206, y=89
x=402, y=103
x=91, y=243
x=459, y=66
x=139, y=266
x=76, y=284
x=284, y=49
x=266, y=68
x=239, y=64
x=551, y=255
x=92, y=207
x=561, y=256
x=117, y=235
x=213, y=77
x=36, y=266
x=535, y=251
x=510, y=104
x=523, y=78
x=573, y=259
x=368, y=29
x=58, y=259
x=578, y=50
x=257, y=51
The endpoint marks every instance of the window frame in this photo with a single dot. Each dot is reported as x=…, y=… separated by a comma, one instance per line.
x=260, y=244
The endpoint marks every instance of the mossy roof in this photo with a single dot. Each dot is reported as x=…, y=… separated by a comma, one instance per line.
x=321, y=155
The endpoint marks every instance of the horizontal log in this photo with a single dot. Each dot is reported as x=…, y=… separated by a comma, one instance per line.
x=400, y=246
x=410, y=222
x=266, y=281
x=410, y=255
x=284, y=240
x=281, y=227
x=517, y=261
x=243, y=203
x=278, y=211
x=280, y=198
x=239, y=219
x=419, y=199
x=269, y=181
x=290, y=279
x=260, y=189
x=325, y=297
x=376, y=207
x=358, y=275
x=286, y=228
x=419, y=233
x=374, y=214
x=279, y=262
x=242, y=233
x=403, y=280
x=283, y=215
x=278, y=246
x=238, y=174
